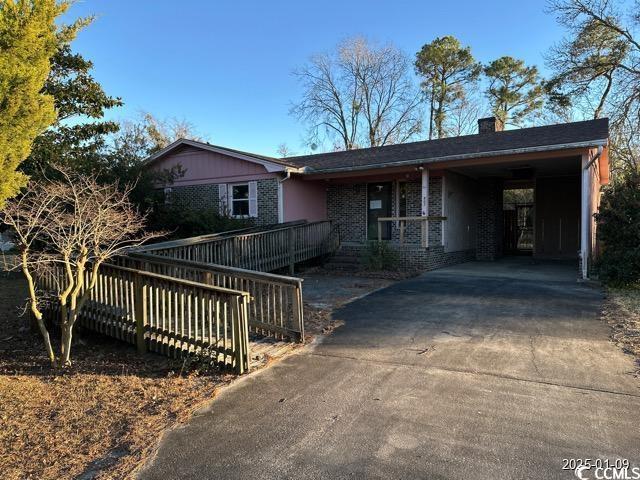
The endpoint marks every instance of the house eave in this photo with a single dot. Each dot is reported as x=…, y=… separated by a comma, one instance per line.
x=270, y=166
x=448, y=158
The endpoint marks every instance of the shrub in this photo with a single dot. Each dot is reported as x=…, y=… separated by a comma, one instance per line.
x=184, y=222
x=619, y=233
x=380, y=256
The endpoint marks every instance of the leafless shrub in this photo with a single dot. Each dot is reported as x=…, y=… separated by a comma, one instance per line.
x=65, y=230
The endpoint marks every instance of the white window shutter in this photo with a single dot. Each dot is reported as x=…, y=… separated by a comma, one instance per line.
x=253, y=199
x=223, y=199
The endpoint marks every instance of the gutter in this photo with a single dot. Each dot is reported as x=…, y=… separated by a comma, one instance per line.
x=465, y=156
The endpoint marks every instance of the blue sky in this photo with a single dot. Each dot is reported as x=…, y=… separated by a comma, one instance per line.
x=225, y=66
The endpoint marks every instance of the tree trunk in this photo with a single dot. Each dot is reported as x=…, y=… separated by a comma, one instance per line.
x=33, y=302
x=67, y=335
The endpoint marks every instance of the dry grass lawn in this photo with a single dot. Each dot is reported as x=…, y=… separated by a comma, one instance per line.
x=106, y=414
x=96, y=421
x=622, y=313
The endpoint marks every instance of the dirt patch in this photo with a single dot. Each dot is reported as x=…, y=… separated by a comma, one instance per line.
x=325, y=292
x=622, y=312
x=98, y=420
x=318, y=321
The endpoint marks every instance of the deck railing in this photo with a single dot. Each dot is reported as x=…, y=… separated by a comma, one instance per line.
x=275, y=303
x=263, y=251
x=168, y=315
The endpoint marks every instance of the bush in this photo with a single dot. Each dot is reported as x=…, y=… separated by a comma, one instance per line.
x=380, y=256
x=619, y=233
x=184, y=222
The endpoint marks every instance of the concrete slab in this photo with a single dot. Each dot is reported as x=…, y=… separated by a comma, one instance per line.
x=486, y=371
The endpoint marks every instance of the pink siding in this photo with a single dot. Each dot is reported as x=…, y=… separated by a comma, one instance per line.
x=202, y=167
x=304, y=200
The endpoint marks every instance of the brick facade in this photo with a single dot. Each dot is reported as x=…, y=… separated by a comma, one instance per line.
x=206, y=197
x=412, y=257
x=490, y=220
x=197, y=197
x=347, y=207
x=267, y=201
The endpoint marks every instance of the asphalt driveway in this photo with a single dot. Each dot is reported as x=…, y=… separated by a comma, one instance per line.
x=484, y=370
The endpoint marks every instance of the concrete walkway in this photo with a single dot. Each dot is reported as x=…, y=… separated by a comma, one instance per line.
x=484, y=370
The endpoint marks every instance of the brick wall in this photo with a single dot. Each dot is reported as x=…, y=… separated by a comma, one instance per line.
x=412, y=257
x=347, y=207
x=435, y=209
x=267, y=201
x=198, y=197
x=489, y=220
x=204, y=197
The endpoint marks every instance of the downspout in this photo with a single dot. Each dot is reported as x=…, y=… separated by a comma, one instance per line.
x=595, y=157
x=281, y=196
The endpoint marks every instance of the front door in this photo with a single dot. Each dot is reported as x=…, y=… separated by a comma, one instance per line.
x=378, y=205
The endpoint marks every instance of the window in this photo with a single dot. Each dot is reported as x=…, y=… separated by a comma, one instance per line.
x=240, y=200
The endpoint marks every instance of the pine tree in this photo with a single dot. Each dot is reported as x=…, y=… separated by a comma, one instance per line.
x=515, y=91
x=447, y=70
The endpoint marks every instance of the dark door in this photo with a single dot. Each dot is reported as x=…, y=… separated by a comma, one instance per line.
x=378, y=205
x=518, y=229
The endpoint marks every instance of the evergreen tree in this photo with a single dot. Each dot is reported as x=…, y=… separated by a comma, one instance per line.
x=515, y=91
x=28, y=39
x=447, y=70
x=78, y=137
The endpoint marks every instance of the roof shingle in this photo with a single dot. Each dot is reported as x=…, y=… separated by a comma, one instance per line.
x=526, y=138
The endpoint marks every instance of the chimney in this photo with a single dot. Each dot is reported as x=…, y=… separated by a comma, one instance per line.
x=489, y=125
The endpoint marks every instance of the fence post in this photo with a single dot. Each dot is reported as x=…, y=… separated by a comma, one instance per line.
x=140, y=301
x=292, y=251
x=240, y=334
x=298, y=310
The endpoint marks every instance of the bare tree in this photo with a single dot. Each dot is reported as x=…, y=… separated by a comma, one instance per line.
x=66, y=229
x=162, y=132
x=284, y=151
x=360, y=95
x=601, y=55
x=597, y=69
x=463, y=117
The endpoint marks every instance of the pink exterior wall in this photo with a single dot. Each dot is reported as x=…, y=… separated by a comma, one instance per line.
x=304, y=200
x=202, y=167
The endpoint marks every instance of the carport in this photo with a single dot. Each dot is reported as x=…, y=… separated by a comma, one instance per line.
x=557, y=222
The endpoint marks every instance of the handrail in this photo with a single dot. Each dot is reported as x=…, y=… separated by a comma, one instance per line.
x=416, y=219
x=402, y=224
x=218, y=236
x=221, y=268
x=180, y=281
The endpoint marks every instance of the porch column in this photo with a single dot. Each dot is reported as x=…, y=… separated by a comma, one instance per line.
x=443, y=208
x=585, y=220
x=425, y=207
